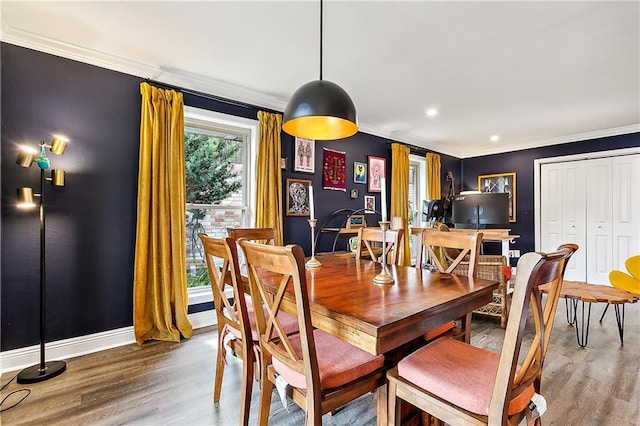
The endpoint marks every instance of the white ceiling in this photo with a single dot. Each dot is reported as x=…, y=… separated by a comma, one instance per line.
x=535, y=73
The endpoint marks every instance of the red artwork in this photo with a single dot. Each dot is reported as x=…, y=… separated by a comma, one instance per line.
x=334, y=169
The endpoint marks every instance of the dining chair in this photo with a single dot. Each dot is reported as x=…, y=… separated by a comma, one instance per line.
x=461, y=247
x=369, y=242
x=322, y=372
x=458, y=383
x=264, y=235
x=232, y=314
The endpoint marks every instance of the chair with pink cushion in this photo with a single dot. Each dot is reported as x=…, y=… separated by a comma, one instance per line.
x=232, y=314
x=458, y=383
x=323, y=372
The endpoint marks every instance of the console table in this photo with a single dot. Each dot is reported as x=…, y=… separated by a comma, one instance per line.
x=575, y=292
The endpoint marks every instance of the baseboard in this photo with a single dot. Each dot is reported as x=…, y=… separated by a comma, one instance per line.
x=18, y=359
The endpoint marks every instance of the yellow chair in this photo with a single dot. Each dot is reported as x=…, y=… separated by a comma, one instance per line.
x=629, y=282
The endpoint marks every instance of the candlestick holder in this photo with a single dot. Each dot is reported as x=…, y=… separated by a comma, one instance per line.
x=384, y=277
x=313, y=262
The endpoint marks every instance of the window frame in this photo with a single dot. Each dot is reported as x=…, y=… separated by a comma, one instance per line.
x=206, y=120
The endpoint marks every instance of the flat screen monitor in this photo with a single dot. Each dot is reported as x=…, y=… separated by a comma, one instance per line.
x=481, y=209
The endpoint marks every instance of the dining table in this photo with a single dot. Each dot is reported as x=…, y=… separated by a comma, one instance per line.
x=388, y=319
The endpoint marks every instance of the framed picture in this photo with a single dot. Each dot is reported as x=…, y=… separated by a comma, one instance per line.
x=369, y=204
x=304, y=155
x=359, y=172
x=502, y=182
x=354, y=193
x=377, y=170
x=297, y=197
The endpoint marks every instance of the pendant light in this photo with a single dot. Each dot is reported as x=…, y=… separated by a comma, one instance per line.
x=320, y=109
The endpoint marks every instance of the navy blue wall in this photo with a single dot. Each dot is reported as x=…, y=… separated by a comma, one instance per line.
x=91, y=221
x=521, y=162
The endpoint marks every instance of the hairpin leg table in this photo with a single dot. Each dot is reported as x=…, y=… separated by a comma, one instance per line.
x=575, y=292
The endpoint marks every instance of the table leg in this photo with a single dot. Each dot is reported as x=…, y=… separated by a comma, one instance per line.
x=570, y=311
x=581, y=335
x=620, y=322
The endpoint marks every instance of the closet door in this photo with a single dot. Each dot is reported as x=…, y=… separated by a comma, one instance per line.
x=599, y=221
x=563, y=204
x=625, y=195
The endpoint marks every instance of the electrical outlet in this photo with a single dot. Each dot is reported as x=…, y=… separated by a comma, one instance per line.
x=514, y=253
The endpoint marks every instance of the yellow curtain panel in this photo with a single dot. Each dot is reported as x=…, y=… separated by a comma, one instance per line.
x=269, y=176
x=400, y=193
x=159, y=279
x=434, y=186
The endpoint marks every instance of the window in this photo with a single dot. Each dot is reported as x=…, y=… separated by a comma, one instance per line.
x=219, y=172
x=417, y=193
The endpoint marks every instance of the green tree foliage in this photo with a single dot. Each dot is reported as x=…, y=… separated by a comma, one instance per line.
x=209, y=173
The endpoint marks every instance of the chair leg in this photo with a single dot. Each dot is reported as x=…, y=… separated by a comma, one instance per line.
x=246, y=388
x=265, y=398
x=217, y=387
x=393, y=408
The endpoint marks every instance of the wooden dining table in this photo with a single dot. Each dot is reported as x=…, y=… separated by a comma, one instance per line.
x=386, y=319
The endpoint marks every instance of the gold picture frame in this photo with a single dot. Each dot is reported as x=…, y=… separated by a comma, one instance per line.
x=501, y=182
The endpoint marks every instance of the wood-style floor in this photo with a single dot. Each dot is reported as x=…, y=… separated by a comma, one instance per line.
x=163, y=383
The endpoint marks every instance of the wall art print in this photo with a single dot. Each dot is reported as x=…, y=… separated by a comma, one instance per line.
x=501, y=182
x=334, y=168
x=297, y=197
x=304, y=155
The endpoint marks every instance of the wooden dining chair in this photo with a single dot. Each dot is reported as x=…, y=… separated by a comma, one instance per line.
x=232, y=314
x=461, y=247
x=458, y=383
x=264, y=235
x=323, y=372
x=369, y=242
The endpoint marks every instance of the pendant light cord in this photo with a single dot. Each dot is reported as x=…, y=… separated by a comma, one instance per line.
x=320, y=39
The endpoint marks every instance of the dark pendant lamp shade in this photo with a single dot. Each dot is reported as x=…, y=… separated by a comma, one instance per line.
x=321, y=110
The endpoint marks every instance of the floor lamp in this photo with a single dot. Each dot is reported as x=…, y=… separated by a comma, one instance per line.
x=26, y=157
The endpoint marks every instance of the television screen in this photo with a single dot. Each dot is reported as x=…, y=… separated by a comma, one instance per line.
x=481, y=209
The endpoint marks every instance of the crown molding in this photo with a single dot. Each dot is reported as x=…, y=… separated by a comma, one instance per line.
x=230, y=91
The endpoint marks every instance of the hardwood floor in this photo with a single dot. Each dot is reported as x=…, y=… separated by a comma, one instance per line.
x=163, y=383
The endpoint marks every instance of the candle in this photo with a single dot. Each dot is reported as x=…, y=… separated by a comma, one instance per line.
x=311, y=209
x=383, y=197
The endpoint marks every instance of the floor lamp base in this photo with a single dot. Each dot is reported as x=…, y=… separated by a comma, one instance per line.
x=34, y=374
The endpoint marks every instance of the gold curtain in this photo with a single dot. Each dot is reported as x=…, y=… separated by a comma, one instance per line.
x=269, y=176
x=434, y=187
x=400, y=193
x=159, y=278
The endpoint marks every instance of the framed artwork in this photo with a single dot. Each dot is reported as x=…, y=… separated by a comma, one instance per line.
x=377, y=170
x=369, y=204
x=359, y=172
x=297, y=193
x=354, y=193
x=334, y=170
x=304, y=152
x=501, y=182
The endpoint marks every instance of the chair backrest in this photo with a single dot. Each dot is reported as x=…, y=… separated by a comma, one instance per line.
x=271, y=270
x=393, y=243
x=224, y=274
x=467, y=244
x=265, y=235
x=534, y=269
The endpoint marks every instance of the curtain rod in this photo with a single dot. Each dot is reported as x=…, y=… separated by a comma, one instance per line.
x=209, y=96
